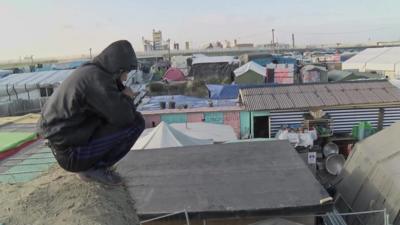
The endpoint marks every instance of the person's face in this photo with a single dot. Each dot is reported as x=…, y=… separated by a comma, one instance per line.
x=124, y=76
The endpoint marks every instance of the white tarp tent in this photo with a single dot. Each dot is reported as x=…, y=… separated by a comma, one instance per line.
x=382, y=60
x=370, y=179
x=165, y=136
x=250, y=66
x=210, y=131
x=387, y=61
x=359, y=61
x=217, y=132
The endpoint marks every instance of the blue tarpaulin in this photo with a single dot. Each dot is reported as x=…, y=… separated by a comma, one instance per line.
x=223, y=91
x=263, y=61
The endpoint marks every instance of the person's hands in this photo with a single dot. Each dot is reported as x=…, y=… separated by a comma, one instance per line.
x=128, y=92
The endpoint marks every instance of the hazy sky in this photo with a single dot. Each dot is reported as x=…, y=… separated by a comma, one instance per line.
x=45, y=28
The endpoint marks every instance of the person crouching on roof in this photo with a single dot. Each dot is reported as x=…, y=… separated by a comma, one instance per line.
x=90, y=121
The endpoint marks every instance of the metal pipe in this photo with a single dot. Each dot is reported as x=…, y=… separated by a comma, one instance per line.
x=187, y=217
x=26, y=164
x=385, y=217
x=161, y=217
x=23, y=172
x=338, y=214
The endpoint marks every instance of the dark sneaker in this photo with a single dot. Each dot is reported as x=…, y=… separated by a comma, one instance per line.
x=104, y=176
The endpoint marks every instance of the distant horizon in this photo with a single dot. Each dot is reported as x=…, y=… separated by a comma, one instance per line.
x=57, y=29
x=86, y=55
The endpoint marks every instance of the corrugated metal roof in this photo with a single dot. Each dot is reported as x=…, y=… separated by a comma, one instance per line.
x=327, y=98
x=319, y=95
x=284, y=101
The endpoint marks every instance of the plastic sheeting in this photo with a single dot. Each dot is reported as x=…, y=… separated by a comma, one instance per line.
x=386, y=61
x=375, y=59
x=250, y=73
x=206, y=131
x=314, y=74
x=10, y=140
x=23, y=82
x=4, y=73
x=264, y=59
x=250, y=66
x=371, y=176
x=165, y=136
x=217, y=91
x=205, y=67
x=174, y=74
x=180, y=62
x=219, y=70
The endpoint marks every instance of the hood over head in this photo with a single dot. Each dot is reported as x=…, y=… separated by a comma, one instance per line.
x=117, y=57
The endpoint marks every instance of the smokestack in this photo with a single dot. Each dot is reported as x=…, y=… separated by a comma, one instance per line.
x=293, y=44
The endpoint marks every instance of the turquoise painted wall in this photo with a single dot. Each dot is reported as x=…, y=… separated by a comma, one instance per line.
x=174, y=118
x=244, y=124
x=214, y=117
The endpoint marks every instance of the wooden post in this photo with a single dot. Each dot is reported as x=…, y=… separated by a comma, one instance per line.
x=380, y=118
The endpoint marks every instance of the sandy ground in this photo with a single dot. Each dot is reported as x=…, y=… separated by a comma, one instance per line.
x=59, y=197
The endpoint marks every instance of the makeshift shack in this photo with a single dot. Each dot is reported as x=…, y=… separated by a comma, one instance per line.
x=236, y=183
x=267, y=108
x=348, y=75
x=313, y=74
x=213, y=67
x=250, y=73
x=280, y=73
x=370, y=179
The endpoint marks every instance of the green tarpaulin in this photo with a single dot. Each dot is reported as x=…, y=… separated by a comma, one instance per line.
x=9, y=140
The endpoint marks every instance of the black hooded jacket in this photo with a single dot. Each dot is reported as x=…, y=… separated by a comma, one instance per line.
x=89, y=99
